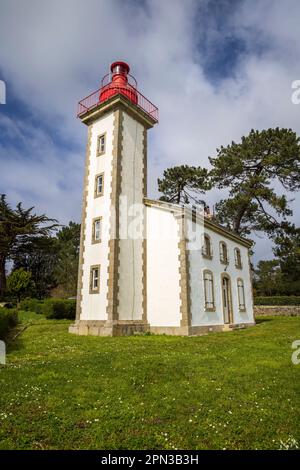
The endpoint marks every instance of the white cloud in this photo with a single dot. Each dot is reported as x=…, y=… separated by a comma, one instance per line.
x=36, y=173
x=54, y=53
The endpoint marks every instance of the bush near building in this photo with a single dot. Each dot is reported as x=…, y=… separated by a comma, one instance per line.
x=59, y=308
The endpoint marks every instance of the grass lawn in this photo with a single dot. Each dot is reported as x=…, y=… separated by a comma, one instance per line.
x=235, y=390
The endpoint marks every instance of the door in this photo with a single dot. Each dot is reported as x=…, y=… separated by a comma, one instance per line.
x=226, y=299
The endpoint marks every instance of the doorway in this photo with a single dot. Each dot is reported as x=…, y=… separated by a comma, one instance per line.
x=226, y=297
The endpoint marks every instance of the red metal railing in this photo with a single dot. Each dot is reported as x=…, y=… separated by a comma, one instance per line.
x=93, y=100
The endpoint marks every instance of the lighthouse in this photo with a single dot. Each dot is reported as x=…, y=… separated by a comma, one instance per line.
x=148, y=265
x=112, y=279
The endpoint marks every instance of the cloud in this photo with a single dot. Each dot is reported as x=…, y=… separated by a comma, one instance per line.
x=215, y=69
x=36, y=173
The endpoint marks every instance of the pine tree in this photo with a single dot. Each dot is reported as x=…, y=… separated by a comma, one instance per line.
x=19, y=226
x=183, y=184
x=253, y=171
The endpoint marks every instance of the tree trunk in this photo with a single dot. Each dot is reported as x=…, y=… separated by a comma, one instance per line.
x=238, y=220
x=2, y=275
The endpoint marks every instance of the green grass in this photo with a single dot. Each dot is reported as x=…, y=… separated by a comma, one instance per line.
x=235, y=390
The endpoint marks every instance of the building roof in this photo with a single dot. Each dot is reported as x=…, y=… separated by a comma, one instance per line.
x=208, y=222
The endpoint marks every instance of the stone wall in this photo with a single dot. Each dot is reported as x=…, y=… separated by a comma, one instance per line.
x=283, y=310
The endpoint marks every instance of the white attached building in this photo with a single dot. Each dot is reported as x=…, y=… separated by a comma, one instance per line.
x=148, y=265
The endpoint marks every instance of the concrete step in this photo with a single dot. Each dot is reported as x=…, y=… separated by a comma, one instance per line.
x=227, y=327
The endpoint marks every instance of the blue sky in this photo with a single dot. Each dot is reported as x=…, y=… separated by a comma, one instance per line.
x=215, y=69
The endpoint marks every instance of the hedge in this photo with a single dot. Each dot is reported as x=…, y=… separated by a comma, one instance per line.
x=59, y=308
x=31, y=305
x=8, y=320
x=51, y=308
x=277, y=300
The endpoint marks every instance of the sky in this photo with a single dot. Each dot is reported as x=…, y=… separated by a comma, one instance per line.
x=215, y=69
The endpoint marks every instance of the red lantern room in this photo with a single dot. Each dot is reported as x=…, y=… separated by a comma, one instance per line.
x=120, y=81
x=117, y=82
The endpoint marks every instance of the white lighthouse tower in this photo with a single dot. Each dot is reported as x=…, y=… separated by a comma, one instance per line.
x=112, y=284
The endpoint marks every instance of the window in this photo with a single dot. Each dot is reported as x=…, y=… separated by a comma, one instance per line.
x=223, y=253
x=209, y=290
x=95, y=279
x=206, y=247
x=241, y=294
x=101, y=145
x=237, y=258
x=96, y=234
x=99, y=183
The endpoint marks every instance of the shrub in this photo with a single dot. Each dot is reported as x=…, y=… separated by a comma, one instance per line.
x=59, y=308
x=277, y=301
x=51, y=308
x=19, y=283
x=31, y=305
x=8, y=320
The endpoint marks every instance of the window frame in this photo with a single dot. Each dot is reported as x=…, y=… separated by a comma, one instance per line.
x=207, y=308
x=222, y=259
x=238, y=259
x=94, y=239
x=99, y=151
x=92, y=269
x=96, y=193
x=203, y=249
x=242, y=307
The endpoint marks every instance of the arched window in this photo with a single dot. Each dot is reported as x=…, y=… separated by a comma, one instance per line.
x=241, y=294
x=223, y=253
x=209, y=297
x=206, y=246
x=237, y=258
